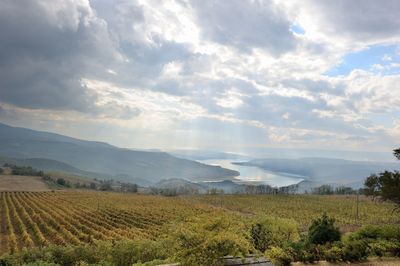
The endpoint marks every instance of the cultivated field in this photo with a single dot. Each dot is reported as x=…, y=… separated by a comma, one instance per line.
x=31, y=219
x=22, y=183
x=305, y=208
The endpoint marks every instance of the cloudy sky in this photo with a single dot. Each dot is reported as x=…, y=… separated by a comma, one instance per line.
x=221, y=75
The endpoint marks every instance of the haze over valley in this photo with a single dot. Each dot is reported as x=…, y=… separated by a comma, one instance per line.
x=54, y=152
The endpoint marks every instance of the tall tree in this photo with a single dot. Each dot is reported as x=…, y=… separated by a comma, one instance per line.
x=385, y=185
x=396, y=153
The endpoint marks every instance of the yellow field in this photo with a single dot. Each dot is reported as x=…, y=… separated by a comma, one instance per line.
x=22, y=183
x=305, y=208
x=39, y=218
x=31, y=219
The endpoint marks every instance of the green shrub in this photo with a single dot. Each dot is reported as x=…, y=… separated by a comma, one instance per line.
x=128, y=252
x=355, y=250
x=123, y=252
x=333, y=254
x=382, y=248
x=266, y=232
x=40, y=263
x=205, y=240
x=386, y=232
x=323, y=230
x=279, y=256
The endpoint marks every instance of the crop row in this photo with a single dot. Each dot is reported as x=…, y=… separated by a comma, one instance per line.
x=35, y=219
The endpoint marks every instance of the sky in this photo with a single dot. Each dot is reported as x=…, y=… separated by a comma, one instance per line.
x=200, y=74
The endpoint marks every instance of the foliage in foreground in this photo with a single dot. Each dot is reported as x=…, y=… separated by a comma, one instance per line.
x=267, y=232
x=203, y=240
x=120, y=253
x=358, y=246
x=323, y=230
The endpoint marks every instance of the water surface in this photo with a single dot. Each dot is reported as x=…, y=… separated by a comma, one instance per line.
x=256, y=174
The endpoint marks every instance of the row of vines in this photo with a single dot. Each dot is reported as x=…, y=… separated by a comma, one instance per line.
x=37, y=219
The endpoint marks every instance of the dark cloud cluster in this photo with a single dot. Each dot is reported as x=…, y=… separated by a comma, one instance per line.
x=44, y=53
x=246, y=25
x=359, y=20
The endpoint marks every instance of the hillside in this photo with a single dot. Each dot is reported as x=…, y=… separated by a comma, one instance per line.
x=88, y=156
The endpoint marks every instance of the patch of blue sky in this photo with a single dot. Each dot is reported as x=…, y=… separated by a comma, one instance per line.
x=380, y=59
x=297, y=29
x=383, y=119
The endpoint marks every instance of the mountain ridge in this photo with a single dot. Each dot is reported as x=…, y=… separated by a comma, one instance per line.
x=120, y=163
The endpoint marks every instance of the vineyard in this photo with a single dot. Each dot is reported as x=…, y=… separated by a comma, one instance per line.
x=36, y=219
x=305, y=208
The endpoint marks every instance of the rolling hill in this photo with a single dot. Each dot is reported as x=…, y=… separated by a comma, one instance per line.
x=104, y=159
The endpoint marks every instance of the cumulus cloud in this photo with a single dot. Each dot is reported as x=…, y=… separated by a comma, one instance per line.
x=358, y=21
x=197, y=69
x=45, y=48
x=246, y=25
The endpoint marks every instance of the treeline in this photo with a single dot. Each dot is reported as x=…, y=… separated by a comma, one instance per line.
x=23, y=170
x=330, y=190
x=111, y=185
x=209, y=190
x=172, y=192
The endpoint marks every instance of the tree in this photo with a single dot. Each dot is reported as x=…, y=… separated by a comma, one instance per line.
x=63, y=182
x=323, y=230
x=92, y=185
x=386, y=185
x=106, y=186
x=323, y=190
x=396, y=153
x=371, y=186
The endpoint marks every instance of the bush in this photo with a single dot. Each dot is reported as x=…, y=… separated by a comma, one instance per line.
x=384, y=248
x=279, y=256
x=129, y=252
x=124, y=252
x=205, y=240
x=383, y=240
x=266, y=232
x=375, y=232
x=323, y=230
x=40, y=263
x=355, y=250
x=333, y=254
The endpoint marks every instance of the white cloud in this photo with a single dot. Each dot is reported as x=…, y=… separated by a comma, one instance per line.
x=163, y=67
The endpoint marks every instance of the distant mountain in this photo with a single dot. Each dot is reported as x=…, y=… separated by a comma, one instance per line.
x=207, y=155
x=228, y=186
x=180, y=185
x=105, y=159
x=51, y=166
x=42, y=164
x=325, y=171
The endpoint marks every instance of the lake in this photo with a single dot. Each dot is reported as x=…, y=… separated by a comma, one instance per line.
x=256, y=174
